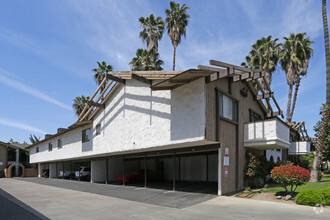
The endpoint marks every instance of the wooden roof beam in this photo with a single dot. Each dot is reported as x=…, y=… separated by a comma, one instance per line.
x=91, y=103
x=227, y=65
x=266, y=95
x=141, y=79
x=117, y=79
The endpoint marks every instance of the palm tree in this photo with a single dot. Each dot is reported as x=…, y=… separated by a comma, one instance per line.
x=34, y=139
x=142, y=61
x=325, y=115
x=295, y=55
x=151, y=33
x=264, y=55
x=101, y=72
x=176, y=21
x=79, y=104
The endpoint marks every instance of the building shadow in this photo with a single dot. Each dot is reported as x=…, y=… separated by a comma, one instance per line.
x=12, y=208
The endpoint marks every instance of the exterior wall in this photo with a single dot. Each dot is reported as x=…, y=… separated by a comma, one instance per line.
x=300, y=148
x=228, y=131
x=276, y=154
x=3, y=157
x=136, y=118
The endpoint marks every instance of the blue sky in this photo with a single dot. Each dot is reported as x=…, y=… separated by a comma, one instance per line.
x=48, y=49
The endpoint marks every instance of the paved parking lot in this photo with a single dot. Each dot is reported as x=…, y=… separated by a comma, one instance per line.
x=49, y=202
x=168, y=198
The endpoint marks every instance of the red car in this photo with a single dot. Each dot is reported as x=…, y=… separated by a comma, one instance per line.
x=136, y=177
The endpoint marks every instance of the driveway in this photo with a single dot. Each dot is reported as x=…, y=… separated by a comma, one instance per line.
x=52, y=202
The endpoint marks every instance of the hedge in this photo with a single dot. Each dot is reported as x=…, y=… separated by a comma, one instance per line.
x=313, y=197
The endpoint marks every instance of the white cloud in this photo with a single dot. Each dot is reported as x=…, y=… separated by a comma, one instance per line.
x=20, y=125
x=31, y=91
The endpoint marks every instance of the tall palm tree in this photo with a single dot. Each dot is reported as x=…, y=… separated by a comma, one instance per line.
x=295, y=55
x=264, y=55
x=101, y=72
x=34, y=139
x=79, y=104
x=176, y=21
x=325, y=115
x=152, y=32
x=142, y=61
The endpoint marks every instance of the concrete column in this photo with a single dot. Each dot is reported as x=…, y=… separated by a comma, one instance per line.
x=17, y=162
x=39, y=170
x=174, y=171
x=52, y=170
x=98, y=171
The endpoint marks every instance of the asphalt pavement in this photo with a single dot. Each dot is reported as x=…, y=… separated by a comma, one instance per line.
x=56, y=202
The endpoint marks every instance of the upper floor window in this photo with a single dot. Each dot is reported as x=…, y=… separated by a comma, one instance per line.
x=254, y=117
x=37, y=149
x=228, y=107
x=60, y=143
x=98, y=129
x=86, y=134
x=50, y=146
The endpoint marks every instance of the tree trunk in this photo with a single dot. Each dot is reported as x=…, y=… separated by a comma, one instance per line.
x=320, y=143
x=325, y=116
x=174, y=58
x=327, y=49
x=295, y=97
x=289, y=104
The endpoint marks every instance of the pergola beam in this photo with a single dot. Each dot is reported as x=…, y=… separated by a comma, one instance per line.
x=141, y=79
x=117, y=79
x=92, y=103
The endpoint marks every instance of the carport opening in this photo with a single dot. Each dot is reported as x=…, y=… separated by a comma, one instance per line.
x=192, y=171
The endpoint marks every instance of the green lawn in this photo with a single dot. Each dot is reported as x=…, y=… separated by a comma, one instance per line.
x=323, y=184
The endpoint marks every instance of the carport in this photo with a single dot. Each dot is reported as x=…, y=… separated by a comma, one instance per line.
x=193, y=169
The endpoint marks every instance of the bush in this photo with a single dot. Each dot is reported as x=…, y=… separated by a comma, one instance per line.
x=314, y=197
x=256, y=170
x=289, y=175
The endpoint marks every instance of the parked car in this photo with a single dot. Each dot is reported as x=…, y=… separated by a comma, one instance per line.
x=66, y=174
x=45, y=173
x=136, y=177
x=84, y=173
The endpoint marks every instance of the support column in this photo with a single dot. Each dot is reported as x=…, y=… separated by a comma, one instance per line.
x=71, y=170
x=207, y=167
x=179, y=168
x=56, y=175
x=174, y=169
x=219, y=169
x=106, y=170
x=124, y=171
x=39, y=170
x=63, y=171
x=145, y=171
x=17, y=162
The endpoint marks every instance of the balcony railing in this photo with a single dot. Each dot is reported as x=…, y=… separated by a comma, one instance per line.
x=268, y=134
x=300, y=148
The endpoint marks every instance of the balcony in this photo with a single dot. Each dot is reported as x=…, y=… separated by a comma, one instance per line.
x=268, y=134
x=300, y=148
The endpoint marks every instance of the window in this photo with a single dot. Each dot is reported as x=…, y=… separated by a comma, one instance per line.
x=50, y=146
x=86, y=135
x=254, y=117
x=98, y=129
x=37, y=149
x=60, y=143
x=228, y=107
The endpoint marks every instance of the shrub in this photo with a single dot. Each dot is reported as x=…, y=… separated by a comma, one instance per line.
x=256, y=169
x=314, y=197
x=289, y=175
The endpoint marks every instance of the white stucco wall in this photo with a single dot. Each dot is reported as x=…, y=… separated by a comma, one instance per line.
x=135, y=117
x=268, y=134
x=300, y=148
x=276, y=154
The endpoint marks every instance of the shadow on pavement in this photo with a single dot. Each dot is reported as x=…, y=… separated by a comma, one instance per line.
x=168, y=198
x=13, y=209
